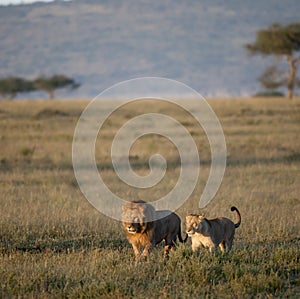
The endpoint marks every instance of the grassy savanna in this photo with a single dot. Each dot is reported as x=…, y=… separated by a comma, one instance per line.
x=55, y=244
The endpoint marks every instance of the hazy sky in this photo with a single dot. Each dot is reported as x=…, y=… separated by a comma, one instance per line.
x=6, y=2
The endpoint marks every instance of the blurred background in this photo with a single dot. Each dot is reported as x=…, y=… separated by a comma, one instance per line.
x=100, y=43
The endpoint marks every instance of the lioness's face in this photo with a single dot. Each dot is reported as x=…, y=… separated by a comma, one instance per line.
x=193, y=223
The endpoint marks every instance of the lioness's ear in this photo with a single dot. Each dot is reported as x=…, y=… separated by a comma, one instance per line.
x=201, y=216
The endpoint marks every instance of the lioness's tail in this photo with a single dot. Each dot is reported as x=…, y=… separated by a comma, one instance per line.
x=236, y=225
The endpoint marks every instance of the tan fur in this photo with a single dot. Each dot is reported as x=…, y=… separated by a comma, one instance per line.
x=213, y=233
x=144, y=234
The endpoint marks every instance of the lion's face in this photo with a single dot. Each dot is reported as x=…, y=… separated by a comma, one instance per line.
x=135, y=216
x=135, y=225
x=193, y=223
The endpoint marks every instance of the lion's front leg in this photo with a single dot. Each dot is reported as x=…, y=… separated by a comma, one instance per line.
x=148, y=248
x=136, y=251
x=213, y=248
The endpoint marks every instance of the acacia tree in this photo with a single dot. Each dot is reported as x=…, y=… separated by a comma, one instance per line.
x=50, y=84
x=272, y=78
x=11, y=86
x=281, y=41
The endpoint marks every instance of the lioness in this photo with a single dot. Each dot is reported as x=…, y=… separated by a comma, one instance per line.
x=211, y=233
x=144, y=232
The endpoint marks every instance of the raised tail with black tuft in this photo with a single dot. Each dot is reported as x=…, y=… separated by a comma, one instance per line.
x=236, y=225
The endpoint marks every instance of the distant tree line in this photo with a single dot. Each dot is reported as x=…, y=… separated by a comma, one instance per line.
x=10, y=87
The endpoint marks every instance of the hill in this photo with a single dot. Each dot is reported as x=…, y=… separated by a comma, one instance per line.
x=100, y=43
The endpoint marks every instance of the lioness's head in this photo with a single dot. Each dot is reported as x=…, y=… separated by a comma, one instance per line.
x=136, y=217
x=193, y=223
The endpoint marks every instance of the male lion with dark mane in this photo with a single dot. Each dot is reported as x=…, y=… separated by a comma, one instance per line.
x=211, y=233
x=145, y=227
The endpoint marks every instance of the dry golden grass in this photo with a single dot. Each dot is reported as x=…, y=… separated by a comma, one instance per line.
x=55, y=244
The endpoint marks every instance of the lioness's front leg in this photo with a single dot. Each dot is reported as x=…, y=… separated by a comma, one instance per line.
x=196, y=244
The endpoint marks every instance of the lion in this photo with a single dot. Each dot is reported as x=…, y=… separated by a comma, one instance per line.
x=212, y=233
x=145, y=228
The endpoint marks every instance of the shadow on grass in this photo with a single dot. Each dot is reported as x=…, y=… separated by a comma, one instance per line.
x=292, y=158
x=64, y=246
x=47, y=164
